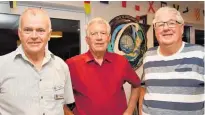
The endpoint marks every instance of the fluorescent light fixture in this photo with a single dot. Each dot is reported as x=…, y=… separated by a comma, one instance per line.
x=56, y=34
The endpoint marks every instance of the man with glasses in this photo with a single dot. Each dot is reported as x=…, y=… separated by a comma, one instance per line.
x=173, y=71
x=98, y=76
x=33, y=81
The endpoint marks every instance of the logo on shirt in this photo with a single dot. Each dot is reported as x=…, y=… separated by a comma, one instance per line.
x=59, y=94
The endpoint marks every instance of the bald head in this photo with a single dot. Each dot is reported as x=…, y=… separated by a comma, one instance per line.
x=34, y=12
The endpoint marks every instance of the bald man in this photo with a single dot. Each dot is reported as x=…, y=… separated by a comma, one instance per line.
x=33, y=81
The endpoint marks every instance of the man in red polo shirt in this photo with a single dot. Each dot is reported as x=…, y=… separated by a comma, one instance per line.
x=98, y=76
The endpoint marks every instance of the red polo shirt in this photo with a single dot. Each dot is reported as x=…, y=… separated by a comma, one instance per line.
x=98, y=90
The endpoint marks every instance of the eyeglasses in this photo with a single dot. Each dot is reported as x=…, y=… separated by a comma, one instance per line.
x=170, y=24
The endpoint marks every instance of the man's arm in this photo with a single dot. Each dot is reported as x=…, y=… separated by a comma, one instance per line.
x=67, y=111
x=132, y=78
x=68, y=93
x=141, y=96
x=132, y=101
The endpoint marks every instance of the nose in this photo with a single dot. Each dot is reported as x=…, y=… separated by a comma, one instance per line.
x=166, y=26
x=34, y=35
x=99, y=36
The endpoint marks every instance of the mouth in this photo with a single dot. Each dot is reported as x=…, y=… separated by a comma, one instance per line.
x=167, y=35
x=99, y=44
x=34, y=43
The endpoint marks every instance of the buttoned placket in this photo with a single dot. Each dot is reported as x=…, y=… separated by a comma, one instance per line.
x=41, y=96
x=41, y=86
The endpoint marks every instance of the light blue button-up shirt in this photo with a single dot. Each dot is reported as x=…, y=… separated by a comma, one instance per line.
x=26, y=91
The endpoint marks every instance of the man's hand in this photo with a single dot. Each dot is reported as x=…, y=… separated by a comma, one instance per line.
x=67, y=111
x=132, y=101
x=141, y=97
x=127, y=113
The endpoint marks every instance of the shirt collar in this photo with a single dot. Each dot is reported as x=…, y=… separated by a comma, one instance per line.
x=89, y=57
x=20, y=52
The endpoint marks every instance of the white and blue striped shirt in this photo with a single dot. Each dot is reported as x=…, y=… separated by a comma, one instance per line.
x=174, y=84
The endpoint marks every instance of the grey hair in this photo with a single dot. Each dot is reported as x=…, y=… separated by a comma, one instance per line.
x=169, y=10
x=97, y=20
x=34, y=12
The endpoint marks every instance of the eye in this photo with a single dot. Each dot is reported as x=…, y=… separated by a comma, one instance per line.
x=159, y=24
x=172, y=22
x=93, y=33
x=40, y=30
x=103, y=33
x=27, y=30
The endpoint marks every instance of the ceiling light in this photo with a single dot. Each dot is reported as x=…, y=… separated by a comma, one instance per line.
x=56, y=34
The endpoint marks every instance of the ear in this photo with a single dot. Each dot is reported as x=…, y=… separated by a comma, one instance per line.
x=87, y=40
x=109, y=37
x=49, y=36
x=154, y=30
x=19, y=33
x=182, y=29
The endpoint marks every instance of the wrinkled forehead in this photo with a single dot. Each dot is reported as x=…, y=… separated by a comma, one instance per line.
x=31, y=18
x=165, y=16
x=96, y=25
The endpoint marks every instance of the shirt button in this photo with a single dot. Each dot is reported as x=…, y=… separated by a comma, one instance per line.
x=40, y=79
x=42, y=98
x=43, y=113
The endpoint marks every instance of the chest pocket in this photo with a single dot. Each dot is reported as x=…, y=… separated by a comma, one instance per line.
x=57, y=76
x=58, y=91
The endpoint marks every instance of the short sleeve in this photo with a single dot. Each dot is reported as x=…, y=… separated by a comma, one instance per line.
x=143, y=79
x=68, y=90
x=143, y=73
x=130, y=75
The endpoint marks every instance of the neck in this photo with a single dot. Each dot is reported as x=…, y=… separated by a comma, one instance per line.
x=98, y=56
x=36, y=59
x=168, y=50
